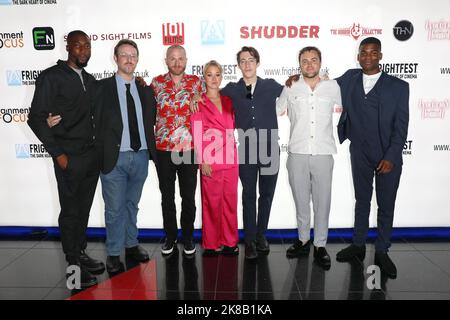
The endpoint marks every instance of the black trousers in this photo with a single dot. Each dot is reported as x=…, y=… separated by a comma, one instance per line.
x=186, y=170
x=76, y=190
x=251, y=175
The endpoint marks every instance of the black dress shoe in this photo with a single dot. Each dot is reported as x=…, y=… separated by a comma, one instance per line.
x=92, y=265
x=322, y=257
x=230, y=251
x=298, y=249
x=250, y=250
x=262, y=245
x=386, y=265
x=137, y=253
x=351, y=252
x=210, y=253
x=113, y=264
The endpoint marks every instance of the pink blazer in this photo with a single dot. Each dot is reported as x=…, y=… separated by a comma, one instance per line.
x=213, y=134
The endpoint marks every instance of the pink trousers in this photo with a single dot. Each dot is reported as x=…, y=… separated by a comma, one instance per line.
x=219, y=208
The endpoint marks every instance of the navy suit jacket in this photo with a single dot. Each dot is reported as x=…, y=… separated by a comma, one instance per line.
x=393, y=112
x=110, y=124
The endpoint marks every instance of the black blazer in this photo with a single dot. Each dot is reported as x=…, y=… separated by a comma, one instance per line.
x=109, y=121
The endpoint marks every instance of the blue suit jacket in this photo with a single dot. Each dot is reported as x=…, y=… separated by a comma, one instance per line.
x=393, y=112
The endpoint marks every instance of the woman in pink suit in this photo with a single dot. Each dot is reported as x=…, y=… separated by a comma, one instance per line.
x=213, y=135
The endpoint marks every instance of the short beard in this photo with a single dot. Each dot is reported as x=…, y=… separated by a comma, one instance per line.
x=80, y=64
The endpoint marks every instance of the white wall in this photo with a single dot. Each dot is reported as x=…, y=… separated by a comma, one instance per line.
x=28, y=195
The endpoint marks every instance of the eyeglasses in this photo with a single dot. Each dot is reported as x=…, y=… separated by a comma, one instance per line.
x=127, y=56
x=249, y=61
x=249, y=92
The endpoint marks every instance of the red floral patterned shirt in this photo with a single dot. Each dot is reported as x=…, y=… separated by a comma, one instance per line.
x=173, y=117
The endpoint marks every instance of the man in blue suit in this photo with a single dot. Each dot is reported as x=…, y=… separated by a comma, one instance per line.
x=375, y=120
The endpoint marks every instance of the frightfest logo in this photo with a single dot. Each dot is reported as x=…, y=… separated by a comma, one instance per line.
x=22, y=77
x=30, y=151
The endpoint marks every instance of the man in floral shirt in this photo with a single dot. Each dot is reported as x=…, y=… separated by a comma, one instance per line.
x=174, y=91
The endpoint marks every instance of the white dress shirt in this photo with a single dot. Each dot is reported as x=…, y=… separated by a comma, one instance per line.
x=311, y=116
x=369, y=81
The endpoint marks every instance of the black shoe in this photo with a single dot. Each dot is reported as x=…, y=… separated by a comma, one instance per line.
x=137, y=253
x=92, y=265
x=113, y=264
x=386, y=265
x=169, y=246
x=230, y=251
x=298, y=249
x=262, y=246
x=86, y=278
x=189, y=247
x=351, y=252
x=322, y=257
x=210, y=253
x=250, y=251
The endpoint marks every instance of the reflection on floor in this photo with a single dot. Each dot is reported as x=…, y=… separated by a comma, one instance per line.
x=35, y=269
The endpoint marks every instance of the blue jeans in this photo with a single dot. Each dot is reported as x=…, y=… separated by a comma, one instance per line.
x=122, y=189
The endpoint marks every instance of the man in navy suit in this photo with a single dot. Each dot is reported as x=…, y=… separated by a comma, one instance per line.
x=375, y=120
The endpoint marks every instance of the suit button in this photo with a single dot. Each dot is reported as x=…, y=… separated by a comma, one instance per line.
x=118, y=146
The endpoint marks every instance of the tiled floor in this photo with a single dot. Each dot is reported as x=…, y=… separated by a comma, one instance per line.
x=35, y=269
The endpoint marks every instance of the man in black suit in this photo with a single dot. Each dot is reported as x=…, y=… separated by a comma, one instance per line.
x=126, y=116
x=66, y=90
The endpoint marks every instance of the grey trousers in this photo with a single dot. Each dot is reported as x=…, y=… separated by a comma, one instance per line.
x=311, y=175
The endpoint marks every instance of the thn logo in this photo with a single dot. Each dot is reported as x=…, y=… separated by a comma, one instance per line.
x=43, y=38
x=403, y=30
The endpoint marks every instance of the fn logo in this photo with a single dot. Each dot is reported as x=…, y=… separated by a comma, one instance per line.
x=43, y=38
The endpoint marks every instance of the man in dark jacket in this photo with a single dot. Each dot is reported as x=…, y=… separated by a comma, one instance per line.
x=126, y=113
x=66, y=90
x=254, y=101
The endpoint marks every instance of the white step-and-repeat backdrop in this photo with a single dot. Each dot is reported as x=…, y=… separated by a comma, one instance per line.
x=415, y=35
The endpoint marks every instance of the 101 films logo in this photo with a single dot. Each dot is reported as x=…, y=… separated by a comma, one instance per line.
x=173, y=33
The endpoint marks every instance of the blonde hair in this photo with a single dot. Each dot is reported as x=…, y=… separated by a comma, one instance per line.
x=212, y=63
